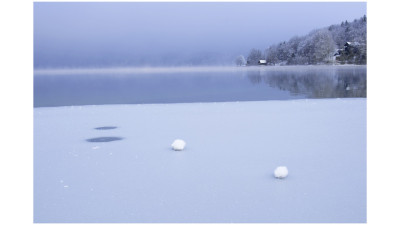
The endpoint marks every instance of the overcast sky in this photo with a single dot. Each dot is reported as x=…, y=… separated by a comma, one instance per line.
x=118, y=34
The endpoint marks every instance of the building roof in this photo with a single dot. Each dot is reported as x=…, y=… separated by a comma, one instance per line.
x=352, y=43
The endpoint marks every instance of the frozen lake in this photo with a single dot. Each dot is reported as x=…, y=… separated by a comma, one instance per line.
x=102, y=157
x=225, y=173
x=64, y=88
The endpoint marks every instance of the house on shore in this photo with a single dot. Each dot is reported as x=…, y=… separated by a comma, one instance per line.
x=256, y=62
x=351, y=53
x=262, y=62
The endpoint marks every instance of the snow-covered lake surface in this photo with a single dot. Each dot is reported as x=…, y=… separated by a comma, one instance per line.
x=198, y=84
x=224, y=174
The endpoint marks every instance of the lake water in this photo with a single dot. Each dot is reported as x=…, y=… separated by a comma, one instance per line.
x=97, y=87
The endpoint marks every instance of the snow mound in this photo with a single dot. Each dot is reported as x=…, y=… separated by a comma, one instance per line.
x=281, y=172
x=178, y=145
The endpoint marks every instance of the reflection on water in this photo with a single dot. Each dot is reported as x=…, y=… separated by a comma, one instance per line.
x=343, y=83
x=241, y=84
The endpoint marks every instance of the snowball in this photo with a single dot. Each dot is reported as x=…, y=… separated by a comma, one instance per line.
x=281, y=172
x=178, y=145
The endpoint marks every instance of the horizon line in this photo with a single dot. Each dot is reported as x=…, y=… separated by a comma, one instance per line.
x=172, y=69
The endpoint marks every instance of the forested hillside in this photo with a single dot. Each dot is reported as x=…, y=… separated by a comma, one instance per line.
x=343, y=43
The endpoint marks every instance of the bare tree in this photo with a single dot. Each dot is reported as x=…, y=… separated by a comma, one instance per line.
x=324, y=46
x=240, y=60
x=254, y=56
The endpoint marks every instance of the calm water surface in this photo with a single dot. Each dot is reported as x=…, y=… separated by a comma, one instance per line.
x=241, y=84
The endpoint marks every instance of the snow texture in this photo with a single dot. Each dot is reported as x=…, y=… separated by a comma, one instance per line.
x=178, y=145
x=281, y=172
x=223, y=178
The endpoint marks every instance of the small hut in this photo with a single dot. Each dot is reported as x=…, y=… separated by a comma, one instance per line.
x=262, y=62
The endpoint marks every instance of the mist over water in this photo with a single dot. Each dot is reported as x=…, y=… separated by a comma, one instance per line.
x=184, y=85
x=104, y=34
x=136, y=52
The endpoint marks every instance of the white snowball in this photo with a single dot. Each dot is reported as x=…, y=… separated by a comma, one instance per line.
x=178, y=145
x=281, y=172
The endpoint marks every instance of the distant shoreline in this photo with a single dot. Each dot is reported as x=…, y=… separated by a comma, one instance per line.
x=182, y=69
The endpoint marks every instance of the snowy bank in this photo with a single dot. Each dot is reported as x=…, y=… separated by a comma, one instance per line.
x=225, y=176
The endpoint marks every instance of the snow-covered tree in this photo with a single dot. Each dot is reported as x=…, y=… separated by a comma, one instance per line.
x=324, y=46
x=254, y=56
x=320, y=45
x=271, y=55
x=240, y=60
